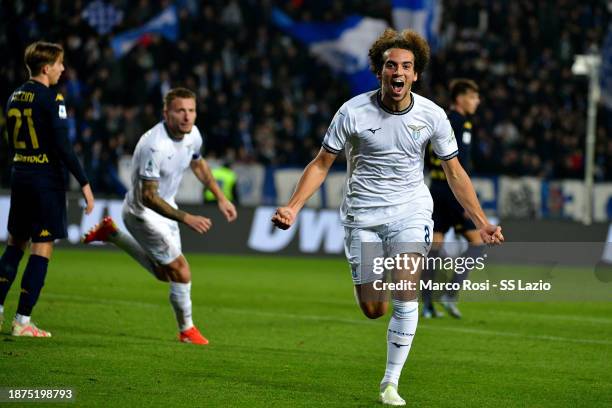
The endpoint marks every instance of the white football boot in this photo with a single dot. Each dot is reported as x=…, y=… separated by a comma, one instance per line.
x=389, y=396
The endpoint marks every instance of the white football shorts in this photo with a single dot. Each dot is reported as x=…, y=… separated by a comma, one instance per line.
x=159, y=236
x=404, y=236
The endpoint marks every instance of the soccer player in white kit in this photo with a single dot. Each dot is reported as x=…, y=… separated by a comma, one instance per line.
x=150, y=212
x=387, y=206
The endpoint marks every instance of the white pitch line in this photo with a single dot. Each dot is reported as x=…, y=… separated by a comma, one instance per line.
x=251, y=312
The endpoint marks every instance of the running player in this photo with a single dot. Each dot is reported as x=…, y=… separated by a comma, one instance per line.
x=387, y=207
x=150, y=212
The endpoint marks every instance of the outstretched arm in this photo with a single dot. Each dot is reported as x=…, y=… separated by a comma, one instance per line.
x=152, y=200
x=462, y=188
x=202, y=172
x=312, y=178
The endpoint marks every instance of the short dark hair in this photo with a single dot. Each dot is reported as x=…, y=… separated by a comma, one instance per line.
x=407, y=40
x=460, y=86
x=39, y=54
x=175, y=93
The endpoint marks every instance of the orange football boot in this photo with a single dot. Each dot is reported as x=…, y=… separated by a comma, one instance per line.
x=192, y=336
x=101, y=231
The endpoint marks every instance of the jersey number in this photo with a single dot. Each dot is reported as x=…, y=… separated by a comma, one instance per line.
x=20, y=144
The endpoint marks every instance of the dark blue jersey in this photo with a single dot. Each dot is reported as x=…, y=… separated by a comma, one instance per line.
x=448, y=213
x=462, y=127
x=38, y=138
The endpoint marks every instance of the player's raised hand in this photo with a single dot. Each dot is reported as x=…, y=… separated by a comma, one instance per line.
x=198, y=223
x=89, y=198
x=491, y=234
x=228, y=210
x=283, y=218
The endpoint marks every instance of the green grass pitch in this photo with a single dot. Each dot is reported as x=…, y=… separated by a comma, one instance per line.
x=285, y=332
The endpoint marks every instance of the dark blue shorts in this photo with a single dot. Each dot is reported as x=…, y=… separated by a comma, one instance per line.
x=448, y=213
x=39, y=215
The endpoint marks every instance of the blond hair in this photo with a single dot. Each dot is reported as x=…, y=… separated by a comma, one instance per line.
x=41, y=53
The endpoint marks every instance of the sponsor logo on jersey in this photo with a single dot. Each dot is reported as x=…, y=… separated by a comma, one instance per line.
x=35, y=158
x=44, y=233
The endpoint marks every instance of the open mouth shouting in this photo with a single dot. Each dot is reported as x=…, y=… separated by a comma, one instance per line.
x=397, y=85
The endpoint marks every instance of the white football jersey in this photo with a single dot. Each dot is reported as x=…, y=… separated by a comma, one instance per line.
x=385, y=153
x=159, y=157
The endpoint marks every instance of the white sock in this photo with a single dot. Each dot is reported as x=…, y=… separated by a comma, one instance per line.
x=180, y=299
x=1, y=309
x=21, y=319
x=132, y=247
x=400, y=333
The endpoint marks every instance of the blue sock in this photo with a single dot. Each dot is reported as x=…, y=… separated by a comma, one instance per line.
x=9, y=263
x=32, y=283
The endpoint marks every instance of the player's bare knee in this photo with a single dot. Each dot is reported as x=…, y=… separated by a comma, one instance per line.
x=44, y=249
x=161, y=273
x=184, y=275
x=178, y=270
x=22, y=244
x=374, y=310
x=179, y=273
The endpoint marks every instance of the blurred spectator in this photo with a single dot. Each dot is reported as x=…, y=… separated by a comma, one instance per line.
x=263, y=98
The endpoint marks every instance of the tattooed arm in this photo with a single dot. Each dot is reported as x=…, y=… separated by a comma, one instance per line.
x=152, y=200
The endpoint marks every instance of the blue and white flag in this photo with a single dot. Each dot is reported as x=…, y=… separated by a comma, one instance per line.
x=343, y=46
x=606, y=69
x=102, y=16
x=165, y=24
x=422, y=16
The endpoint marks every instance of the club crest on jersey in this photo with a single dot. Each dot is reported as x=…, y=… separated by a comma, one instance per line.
x=416, y=131
x=62, y=112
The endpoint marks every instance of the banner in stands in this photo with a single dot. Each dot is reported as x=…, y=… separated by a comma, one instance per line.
x=316, y=232
x=509, y=197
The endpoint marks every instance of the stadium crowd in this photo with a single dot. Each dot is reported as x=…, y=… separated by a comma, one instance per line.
x=263, y=99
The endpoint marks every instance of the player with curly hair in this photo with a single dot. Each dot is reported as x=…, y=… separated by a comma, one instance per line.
x=387, y=208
